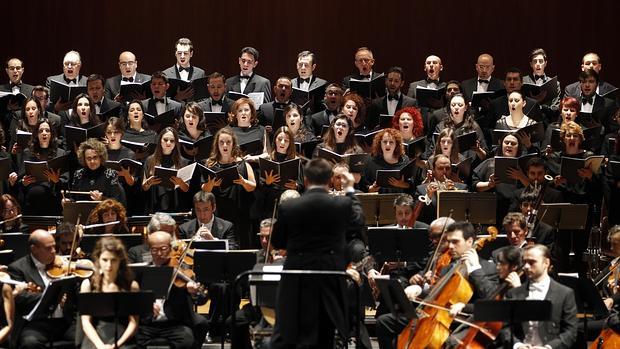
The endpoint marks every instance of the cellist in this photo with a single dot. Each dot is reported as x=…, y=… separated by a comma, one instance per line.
x=460, y=237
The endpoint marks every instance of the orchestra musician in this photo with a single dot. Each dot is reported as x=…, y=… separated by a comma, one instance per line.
x=174, y=319
x=32, y=269
x=160, y=221
x=11, y=209
x=111, y=275
x=561, y=330
x=206, y=224
x=108, y=211
x=7, y=313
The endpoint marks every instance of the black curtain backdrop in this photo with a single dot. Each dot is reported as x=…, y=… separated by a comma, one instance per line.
x=399, y=33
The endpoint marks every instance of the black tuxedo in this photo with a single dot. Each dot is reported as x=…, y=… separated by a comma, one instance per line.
x=429, y=212
x=347, y=79
x=81, y=80
x=574, y=89
x=256, y=83
x=221, y=229
x=316, y=82
x=316, y=121
x=499, y=108
x=422, y=83
x=318, y=102
x=226, y=104
x=470, y=86
x=194, y=73
x=149, y=107
x=108, y=104
x=267, y=112
x=603, y=112
x=379, y=106
x=24, y=89
x=561, y=331
x=113, y=84
x=313, y=229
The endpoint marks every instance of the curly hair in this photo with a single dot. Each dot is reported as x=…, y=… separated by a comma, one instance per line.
x=92, y=144
x=232, y=115
x=330, y=135
x=291, y=152
x=215, y=156
x=360, y=118
x=124, y=276
x=571, y=127
x=398, y=139
x=96, y=215
x=418, y=124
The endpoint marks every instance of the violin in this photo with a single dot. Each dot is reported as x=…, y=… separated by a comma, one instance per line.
x=29, y=286
x=60, y=267
x=183, y=273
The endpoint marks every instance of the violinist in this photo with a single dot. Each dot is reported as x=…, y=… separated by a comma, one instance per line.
x=206, y=224
x=8, y=311
x=64, y=238
x=174, y=319
x=160, y=221
x=561, y=330
x=112, y=275
x=32, y=269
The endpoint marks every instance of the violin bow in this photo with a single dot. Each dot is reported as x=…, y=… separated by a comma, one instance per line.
x=273, y=217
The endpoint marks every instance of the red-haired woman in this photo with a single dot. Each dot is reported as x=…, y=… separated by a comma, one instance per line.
x=387, y=154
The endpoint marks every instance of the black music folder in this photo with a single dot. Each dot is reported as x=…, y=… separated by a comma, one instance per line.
x=134, y=166
x=254, y=147
x=23, y=138
x=76, y=135
x=306, y=148
x=503, y=163
x=425, y=95
x=36, y=168
x=550, y=86
x=356, y=162
x=134, y=90
x=5, y=168
x=139, y=147
x=416, y=147
x=366, y=139
x=236, y=95
x=184, y=173
x=569, y=166
x=215, y=121
x=201, y=148
x=479, y=98
x=467, y=140
x=199, y=85
x=162, y=120
x=614, y=168
x=463, y=168
x=227, y=175
x=217, y=266
x=64, y=92
x=287, y=170
x=383, y=176
x=302, y=97
x=7, y=98
x=369, y=88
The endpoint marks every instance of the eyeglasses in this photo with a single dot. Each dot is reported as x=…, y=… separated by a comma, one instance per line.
x=162, y=249
x=14, y=68
x=364, y=60
x=71, y=64
x=127, y=64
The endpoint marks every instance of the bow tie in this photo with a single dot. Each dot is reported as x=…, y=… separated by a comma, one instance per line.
x=13, y=84
x=392, y=98
x=538, y=286
x=68, y=81
x=365, y=76
x=539, y=77
x=301, y=80
x=130, y=79
x=331, y=112
x=214, y=102
x=98, y=104
x=587, y=100
x=244, y=77
x=432, y=81
x=184, y=69
x=482, y=81
x=159, y=100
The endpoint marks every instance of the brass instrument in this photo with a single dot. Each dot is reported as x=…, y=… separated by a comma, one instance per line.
x=444, y=185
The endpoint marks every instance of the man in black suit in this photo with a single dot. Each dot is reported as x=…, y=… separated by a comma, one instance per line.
x=103, y=105
x=542, y=233
x=32, y=269
x=71, y=65
x=561, y=330
x=364, y=60
x=535, y=172
x=160, y=221
x=15, y=71
x=499, y=105
x=206, y=224
x=183, y=69
x=484, y=82
x=333, y=105
x=42, y=93
x=128, y=65
x=441, y=167
x=538, y=63
x=282, y=98
x=174, y=319
x=595, y=109
x=247, y=81
x=393, y=101
x=307, y=81
x=159, y=103
x=312, y=229
x=217, y=101
x=433, y=68
x=592, y=61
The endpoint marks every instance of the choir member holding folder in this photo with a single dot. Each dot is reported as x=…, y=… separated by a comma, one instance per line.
x=42, y=196
x=244, y=122
x=517, y=120
x=388, y=154
x=31, y=112
x=138, y=135
x=192, y=129
x=234, y=199
x=171, y=196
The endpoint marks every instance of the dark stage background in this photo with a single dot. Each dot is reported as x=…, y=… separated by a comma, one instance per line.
x=399, y=33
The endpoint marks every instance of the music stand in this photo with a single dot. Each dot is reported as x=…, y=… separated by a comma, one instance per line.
x=129, y=240
x=51, y=296
x=395, y=298
x=378, y=208
x=7, y=257
x=18, y=242
x=153, y=278
x=210, y=245
x=116, y=304
x=512, y=312
x=263, y=287
x=216, y=266
x=73, y=209
x=565, y=216
x=396, y=245
x=589, y=301
x=476, y=208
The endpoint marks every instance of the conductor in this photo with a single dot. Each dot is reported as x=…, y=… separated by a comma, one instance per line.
x=312, y=229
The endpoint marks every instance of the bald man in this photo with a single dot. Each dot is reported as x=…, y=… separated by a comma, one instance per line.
x=31, y=269
x=432, y=67
x=128, y=66
x=484, y=81
x=590, y=60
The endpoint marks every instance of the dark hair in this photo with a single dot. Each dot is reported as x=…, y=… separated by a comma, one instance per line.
x=156, y=158
x=159, y=75
x=584, y=74
x=215, y=75
x=330, y=135
x=4, y=199
x=195, y=109
x=116, y=123
x=535, y=162
x=251, y=51
x=35, y=146
x=92, y=117
x=510, y=255
x=124, y=276
x=360, y=118
x=304, y=54
x=22, y=123
x=291, y=152
x=418, y=123
x=95, y=77
x=542, y=248
x=92, y=144
x=41, y=88
x=513, y=217
x=528, y=196
x=538, y=51
x=318, y=171
x=404, y=200
x=144, y=124
x=468, y=118
x=303, y=133
x=454, y=151
x=466, y=227
x=396, y=69
x=515, y=70
x=499, y=151
x=203, y=196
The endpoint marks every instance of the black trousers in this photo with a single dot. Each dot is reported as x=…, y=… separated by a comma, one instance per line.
x=177, y=335
x=388, y=328
x=38, y=334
